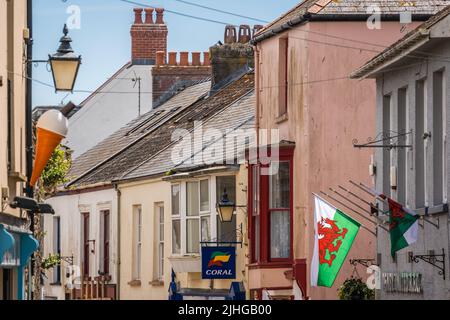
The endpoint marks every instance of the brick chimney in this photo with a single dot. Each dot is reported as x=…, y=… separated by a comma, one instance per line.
x=232, y=58
x=148, y=35
x=169, y=75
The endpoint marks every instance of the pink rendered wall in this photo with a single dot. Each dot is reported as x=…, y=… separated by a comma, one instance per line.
x=323, y=119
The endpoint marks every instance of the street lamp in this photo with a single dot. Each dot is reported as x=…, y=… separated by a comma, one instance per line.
x=226, y=208
x=65, y=64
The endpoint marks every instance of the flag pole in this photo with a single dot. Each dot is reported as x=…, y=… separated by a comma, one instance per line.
x=366, y=189
x=362, y=226
x=372, y=206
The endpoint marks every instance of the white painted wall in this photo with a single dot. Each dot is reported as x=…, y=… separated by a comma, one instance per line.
x=112, y=108
x=69, y=208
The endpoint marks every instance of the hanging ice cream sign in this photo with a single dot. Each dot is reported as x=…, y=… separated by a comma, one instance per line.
x=218, y=262
x=51, y=128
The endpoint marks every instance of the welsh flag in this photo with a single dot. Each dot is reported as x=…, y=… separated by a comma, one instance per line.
x=403, y=224
x=334, y=236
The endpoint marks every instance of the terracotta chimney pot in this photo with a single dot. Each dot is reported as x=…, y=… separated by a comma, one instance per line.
x=149, y=15
x=173, y=58
x=184, y=59
x=138, y=15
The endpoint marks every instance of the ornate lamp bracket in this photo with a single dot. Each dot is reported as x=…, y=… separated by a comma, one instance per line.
x=436, y=260
x=386, y=140
x=364, y=262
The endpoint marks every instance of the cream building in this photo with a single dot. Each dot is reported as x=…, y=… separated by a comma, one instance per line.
x=16, y=244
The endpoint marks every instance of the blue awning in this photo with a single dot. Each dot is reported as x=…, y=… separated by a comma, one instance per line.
x=6, y=241
x=28, y=245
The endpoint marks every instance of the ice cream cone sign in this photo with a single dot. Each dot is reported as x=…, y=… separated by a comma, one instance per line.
x=51, y=128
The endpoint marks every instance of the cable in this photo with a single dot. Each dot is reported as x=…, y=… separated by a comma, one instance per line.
x=220, y=11
x=179, y=13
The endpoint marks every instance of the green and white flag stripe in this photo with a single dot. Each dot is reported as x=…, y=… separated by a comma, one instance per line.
x=335, y=233
x=403, y=226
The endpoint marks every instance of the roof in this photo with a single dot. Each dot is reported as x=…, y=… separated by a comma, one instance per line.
x=147, y=145
x=339, y=9
x=136, y=129
x=235, y=119
x=402, y=47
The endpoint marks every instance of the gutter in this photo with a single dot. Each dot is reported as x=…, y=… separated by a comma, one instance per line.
x=307, y=17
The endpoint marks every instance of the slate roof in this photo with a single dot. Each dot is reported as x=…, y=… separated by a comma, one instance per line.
x=237, y=119
x=148, y=145
x=136, y=129
x=309, y=8
x=408, y=41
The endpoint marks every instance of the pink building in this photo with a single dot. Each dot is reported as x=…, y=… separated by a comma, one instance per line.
x=303, y=62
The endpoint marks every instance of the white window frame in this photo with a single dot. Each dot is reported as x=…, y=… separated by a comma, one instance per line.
x=159, y=241
x=137, y=242
x=212, y=213
x=177, y=217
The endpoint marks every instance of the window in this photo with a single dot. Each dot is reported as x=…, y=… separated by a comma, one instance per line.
x=57, y=248
x=192, y=218
x=197, y=214
x=176, y=219
x=256, y=224
x=401, y=152
x=86, y=243
x=387, y=152
x=137, y=242
x=419, y=144
x=10, y=123
x=279, y=206
x=105, y=241
x=197, y=220
x=438, y=137
x=283, y=76
x=159, y=241
x=226, y=231
x=270, y=205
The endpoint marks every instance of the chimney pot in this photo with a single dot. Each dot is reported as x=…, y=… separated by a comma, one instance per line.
x=256, y=28
x=172, y=58
x=196, y=59
x=184, y=59
x=244, y=33
x=160, y=58
x=230, y=34
x=206, y=59
x=149, y=15
x=138, y=15
x=159, y=15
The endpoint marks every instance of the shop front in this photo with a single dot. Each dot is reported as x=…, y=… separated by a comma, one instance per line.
x=16, y=247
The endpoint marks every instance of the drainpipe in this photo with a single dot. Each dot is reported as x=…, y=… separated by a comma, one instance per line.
x=119, y=194
x=29, y=125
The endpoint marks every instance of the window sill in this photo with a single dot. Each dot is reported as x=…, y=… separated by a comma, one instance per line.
x=282, y=118
x=135, y=283
x=271, y=265
x=442, y=208
x=55, y=284
x=156, y=283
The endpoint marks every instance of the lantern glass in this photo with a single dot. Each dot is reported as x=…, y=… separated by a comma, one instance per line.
x=64, y=72
x=226, y=213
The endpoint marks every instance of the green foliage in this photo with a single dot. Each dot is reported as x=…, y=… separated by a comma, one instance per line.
x=355, y=289
x=55, y=173
x=52, y=261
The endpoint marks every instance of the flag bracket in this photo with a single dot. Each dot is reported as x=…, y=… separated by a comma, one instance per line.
x=388, y=139
x=436, y=260
x=364, y=262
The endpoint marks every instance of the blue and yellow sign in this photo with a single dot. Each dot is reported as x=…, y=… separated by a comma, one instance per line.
x=219, y=263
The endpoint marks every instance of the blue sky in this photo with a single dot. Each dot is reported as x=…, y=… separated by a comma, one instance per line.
x=103, y=39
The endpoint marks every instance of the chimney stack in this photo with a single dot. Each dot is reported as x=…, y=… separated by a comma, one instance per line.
x=148, y=37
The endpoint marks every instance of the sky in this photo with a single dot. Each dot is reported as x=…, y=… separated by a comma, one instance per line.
x=102, y=36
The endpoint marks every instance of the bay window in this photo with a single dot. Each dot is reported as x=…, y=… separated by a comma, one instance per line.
x=176, y=219
x=226, y=231
x=270, y=221
x=194, y=216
